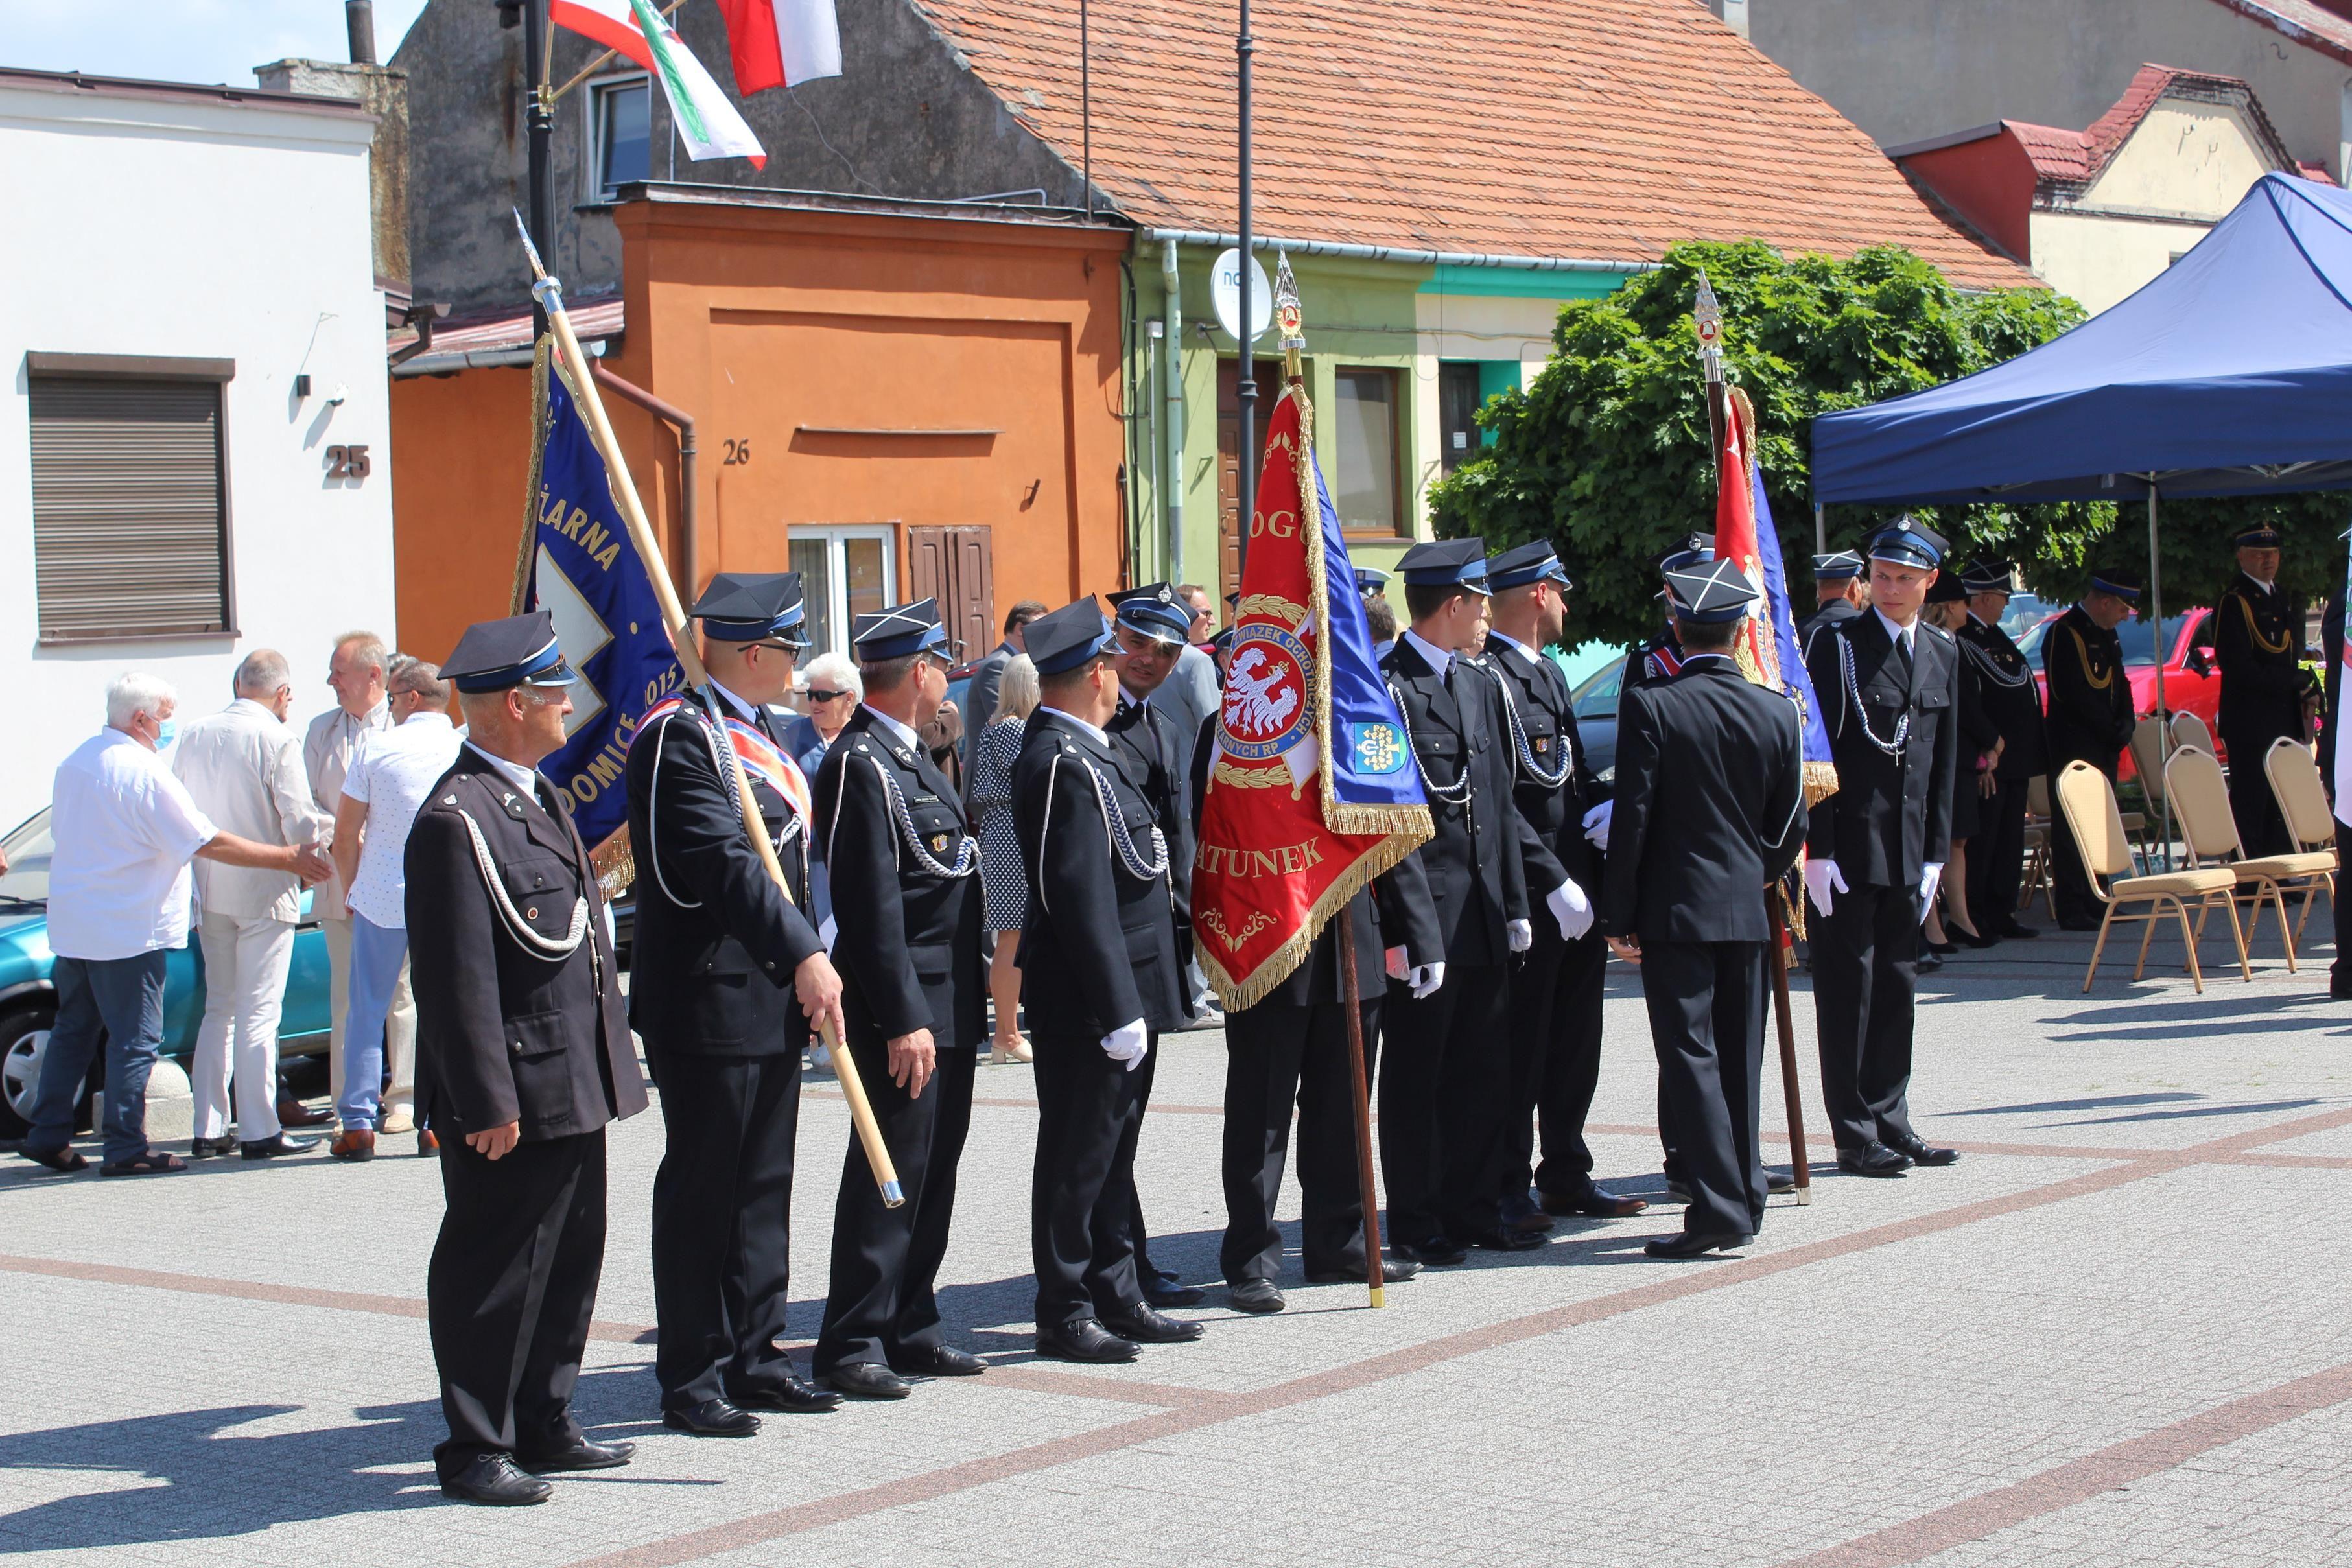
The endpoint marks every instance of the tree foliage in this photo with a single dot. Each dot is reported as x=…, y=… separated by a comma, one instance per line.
x=1606, y=453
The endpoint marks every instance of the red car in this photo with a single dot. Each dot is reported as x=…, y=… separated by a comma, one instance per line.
x=2192, y=681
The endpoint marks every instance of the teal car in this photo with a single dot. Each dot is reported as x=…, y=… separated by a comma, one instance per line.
x=29, y=1001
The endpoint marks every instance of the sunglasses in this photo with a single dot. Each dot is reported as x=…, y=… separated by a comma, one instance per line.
x=817, y=696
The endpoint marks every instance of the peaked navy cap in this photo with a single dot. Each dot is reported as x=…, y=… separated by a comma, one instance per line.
x=1442, y=563
x=1696, y=550
x=1523, y=564
x=2123, y=584
x=1710, y=594
x=1986, y=576
x=1156, y=612
x=752, y=607
x=1838, y=566
x=900, y=630
x=1068, y=637
x=2262, y=536
x=1907, y=541
x=518, y=650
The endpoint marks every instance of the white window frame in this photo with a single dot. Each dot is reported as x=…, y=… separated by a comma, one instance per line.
x=837, y=567
x=598, y=91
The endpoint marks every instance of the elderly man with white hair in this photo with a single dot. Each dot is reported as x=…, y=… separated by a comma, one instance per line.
x=243, y=767
x=358, y=672
x=125, y=831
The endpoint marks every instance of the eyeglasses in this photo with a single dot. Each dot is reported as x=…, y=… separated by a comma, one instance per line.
x=792, y=648
x=817, y=696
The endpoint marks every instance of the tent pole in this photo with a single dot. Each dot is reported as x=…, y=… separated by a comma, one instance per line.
x=2164, y=742
x=1821, y=532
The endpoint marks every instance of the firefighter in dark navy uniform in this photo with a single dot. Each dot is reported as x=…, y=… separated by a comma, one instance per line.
x=1710, y=811
x=1838, y=584
x=1661, y=657
x=2091, y=720
x=2267, y=694
x=1556, y=993
x=2012, y=699
x=900, y=856
x=1446, y=1064
x=1099, y=979
x=726, y=969
x=1888, y=685
x=522, y=1057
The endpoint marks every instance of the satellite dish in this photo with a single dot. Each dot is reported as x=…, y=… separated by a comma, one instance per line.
x=1225, y=290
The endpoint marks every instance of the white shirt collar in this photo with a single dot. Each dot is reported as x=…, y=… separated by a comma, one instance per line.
x=906, y=735
x=742, y=708
x=1438, y=658
x=432, y=715
x=1906, y=635
x=1515, y=645
x=2258, y=582
x=523, y=779
x=1128, y=699
x=1094, y=730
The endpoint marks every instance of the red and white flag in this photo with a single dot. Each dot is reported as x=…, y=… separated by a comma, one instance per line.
x=782, y=43
x=707, y=121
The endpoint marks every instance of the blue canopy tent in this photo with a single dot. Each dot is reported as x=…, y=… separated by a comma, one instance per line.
x=2228, y=374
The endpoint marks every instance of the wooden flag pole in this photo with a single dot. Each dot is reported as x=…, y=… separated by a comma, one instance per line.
x=1788, y=1030
x=1365, y=1181
x=690, y=659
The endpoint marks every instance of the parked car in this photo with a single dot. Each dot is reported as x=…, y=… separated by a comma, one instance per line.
x=1594, y=702
x=2192, y=680
x=28, y=1002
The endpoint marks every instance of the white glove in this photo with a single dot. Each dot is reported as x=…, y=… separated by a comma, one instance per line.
x=1596, y=825
x=1396, y=964
x=1572, y=909
x=1126, y=1043
x=1426, y=979
x=1821, y=878
x=1523, y=935
x=1931, y=874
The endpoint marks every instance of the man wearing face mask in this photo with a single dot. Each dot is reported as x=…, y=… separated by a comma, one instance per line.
x=2266, y=690
x=2090, y=719
x=1888, y=685
x=1098, y=981
x=1446, y=1064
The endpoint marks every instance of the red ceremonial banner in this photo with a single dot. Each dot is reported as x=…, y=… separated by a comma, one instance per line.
x=1281, y=850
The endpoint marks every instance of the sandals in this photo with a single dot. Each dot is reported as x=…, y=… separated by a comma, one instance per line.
x=65, y=1161
x=153, y=1162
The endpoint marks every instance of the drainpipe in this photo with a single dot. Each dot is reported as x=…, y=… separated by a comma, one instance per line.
x=1171, y=377
x=688, y=570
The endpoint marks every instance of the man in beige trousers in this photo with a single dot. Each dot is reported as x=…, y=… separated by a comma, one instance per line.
x=356, y=673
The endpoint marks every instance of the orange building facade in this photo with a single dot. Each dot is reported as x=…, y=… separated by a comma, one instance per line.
x=895, y=399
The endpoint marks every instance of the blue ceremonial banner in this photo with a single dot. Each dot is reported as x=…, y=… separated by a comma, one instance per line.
x=585, y=571
x=1370, y=765
x=1820, y=772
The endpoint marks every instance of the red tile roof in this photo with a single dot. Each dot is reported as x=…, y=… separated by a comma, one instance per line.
x=1606, y=129
x=2322, y=27
x=2070, y=159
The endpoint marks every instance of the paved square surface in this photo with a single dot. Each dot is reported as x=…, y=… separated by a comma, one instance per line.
x=2120, y=1332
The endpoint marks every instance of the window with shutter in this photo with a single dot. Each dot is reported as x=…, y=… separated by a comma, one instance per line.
x=129, y=507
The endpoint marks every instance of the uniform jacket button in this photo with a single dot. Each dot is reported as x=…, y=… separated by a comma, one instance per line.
x=531, y=915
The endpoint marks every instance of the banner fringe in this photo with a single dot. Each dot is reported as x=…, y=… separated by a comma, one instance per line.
x=1236, y=995
x=1821, y=782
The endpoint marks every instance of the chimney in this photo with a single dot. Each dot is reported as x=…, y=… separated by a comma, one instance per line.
x=359, y=21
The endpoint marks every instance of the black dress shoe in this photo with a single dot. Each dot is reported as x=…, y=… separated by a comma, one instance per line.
x=1591, y=1201
x=582, y=1455
x=1977, y=940
x=1146, y=1324
x=206, y=1149
x=939, y=1360
x=492, y=1480
x=1167, y=1290
x=1085, y=1340
x=2072, y=924
x=1872, y=1159
x=711, y=1418
x=1928, y=962
x=1688, y=1244
x=1775, y=1182
x=277, y=1148
x=1919, y=1152
x=1391, y=1270
x=867, y=1380
x=1255, y=1296
x=2013, y=931
x=1939, y=948
x=1433, y=1251
x=1496, y=1239
x=787, y=1393
x=1678, y=1190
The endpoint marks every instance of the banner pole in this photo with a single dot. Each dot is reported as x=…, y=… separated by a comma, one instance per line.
x=1365, y=1181
x=1787, y=1031
x=690, y=659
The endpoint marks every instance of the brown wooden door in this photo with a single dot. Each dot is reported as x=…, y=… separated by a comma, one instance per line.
x=1229, y=444
x=952, y=565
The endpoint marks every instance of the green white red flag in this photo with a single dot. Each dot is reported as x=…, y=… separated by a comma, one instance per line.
x=707, y=121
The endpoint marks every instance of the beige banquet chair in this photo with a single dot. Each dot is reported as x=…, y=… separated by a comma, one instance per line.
x=2151, y=744
x=2089, y=802
x=2294, y=780
x=2037, y=848
x=2187, y=729
x=2201, y=803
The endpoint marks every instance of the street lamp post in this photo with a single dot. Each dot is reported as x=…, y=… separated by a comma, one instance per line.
x=1245, y=385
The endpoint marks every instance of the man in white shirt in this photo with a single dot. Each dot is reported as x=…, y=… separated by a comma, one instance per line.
x=244, y=770
x=390, y=773
x=355, y=673
x=125, y=830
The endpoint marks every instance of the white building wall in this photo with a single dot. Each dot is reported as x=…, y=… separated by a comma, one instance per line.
x=1467, y=326
x=163, y=224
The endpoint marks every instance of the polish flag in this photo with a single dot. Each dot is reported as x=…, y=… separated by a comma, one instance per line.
x=782, y=43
